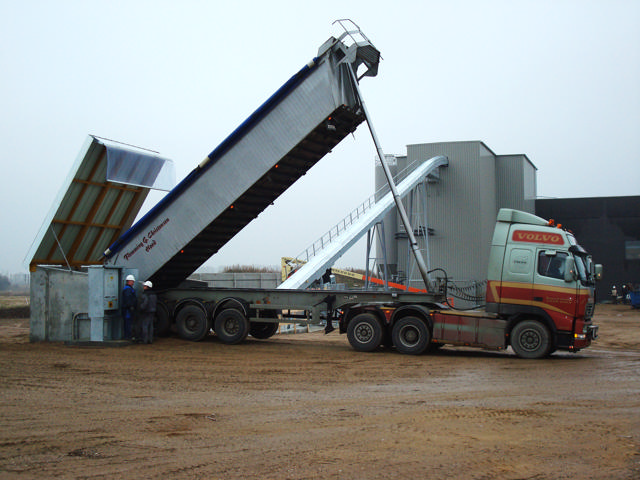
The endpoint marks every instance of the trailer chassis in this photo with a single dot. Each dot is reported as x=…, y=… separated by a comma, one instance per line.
x=234, y=313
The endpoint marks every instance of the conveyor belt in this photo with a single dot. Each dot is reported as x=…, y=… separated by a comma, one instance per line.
x=317, y=265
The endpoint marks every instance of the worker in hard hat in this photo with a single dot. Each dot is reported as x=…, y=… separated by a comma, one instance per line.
x=148, y=304
x=128, y=308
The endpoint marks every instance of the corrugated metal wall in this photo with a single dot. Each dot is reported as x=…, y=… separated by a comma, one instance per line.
x=461, y=208
x=239, y=279
x=515, y=182
x=530, y=186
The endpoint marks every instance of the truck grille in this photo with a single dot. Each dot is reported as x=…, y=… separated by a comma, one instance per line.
x=588, y=311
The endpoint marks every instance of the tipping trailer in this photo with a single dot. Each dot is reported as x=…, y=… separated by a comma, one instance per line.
x=540, y=298
x=297, y=126
x=528, y=307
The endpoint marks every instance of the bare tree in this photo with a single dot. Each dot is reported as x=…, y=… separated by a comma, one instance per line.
x=5, y=283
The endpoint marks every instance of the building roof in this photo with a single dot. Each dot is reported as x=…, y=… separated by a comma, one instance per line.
x=99, y=200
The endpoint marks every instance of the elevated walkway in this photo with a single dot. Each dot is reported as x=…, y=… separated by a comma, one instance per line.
x=323, y=254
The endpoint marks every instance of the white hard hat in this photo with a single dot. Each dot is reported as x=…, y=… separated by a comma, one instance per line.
x=148, y=284
x=130, y=278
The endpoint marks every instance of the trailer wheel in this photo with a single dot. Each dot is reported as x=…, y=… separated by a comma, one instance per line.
x=364, y=332
x=192, y=323
x=162, y=321
x=531, y=339
x=411, y=336
x=263, y=330
x=231, y=326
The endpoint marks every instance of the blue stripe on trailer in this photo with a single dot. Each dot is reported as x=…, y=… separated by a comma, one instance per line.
x=217, y=153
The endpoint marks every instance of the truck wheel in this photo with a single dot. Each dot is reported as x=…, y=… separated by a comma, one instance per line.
x=162, y=321
x=411, y=336
x=263, y=330
x=364, y=332
x=192, y=323
x=231, y=326
x=530, y=339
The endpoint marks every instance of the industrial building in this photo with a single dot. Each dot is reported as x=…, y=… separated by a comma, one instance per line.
x=454, y=217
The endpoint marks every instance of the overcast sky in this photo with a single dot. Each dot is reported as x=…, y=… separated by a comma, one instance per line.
x=557, y=80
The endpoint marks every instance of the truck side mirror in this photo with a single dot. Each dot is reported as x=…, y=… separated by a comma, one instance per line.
x=598, y=271
x=569, y=269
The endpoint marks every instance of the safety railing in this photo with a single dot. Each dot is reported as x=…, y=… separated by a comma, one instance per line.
x=353, y=216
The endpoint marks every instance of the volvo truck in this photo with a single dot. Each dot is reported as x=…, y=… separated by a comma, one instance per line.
x=540, y=298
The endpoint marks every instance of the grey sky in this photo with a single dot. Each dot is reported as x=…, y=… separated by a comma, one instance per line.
x=556, y=80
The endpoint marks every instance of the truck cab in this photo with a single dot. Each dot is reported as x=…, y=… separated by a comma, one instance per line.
x=542, y=282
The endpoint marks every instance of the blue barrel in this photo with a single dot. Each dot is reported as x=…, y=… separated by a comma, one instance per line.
x=635, y=299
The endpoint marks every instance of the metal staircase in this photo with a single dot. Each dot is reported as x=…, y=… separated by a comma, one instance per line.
x=323, y=253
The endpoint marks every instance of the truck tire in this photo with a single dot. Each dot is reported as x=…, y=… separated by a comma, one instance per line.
x=263, y=330
x=531, y=339
x=192, y=323
x=162, y=321
x=231, y=326
x=411, y=336
x=364, y=332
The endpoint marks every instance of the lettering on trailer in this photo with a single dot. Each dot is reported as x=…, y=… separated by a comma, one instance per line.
x=147, y=242
x=537, y=237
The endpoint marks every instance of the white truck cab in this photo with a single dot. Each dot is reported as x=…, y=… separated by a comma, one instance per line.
x=538, y=271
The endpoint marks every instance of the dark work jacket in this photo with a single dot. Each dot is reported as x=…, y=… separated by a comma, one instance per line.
x=128, y=299
x=148, y=302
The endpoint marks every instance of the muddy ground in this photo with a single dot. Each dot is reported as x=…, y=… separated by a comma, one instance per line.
x=307, y=406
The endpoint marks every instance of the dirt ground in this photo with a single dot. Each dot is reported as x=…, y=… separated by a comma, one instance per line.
x=307, y=406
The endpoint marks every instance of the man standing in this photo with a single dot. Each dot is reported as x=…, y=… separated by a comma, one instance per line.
x=147, y=312
x=128, y=305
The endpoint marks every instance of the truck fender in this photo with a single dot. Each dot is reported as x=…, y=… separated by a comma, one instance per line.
x=189, y=301
x=352, y=311
x=533, y=314
x=231, y=302
x=419, y=311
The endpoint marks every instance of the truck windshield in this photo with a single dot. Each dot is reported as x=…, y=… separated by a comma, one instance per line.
x=584, y=266
x=581, y=268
